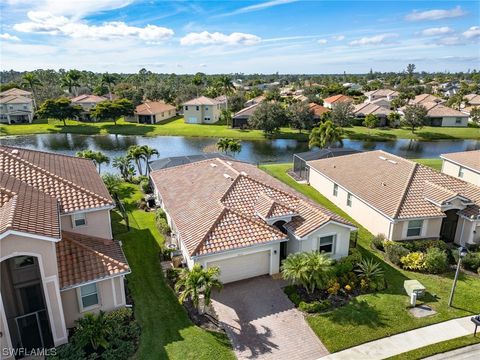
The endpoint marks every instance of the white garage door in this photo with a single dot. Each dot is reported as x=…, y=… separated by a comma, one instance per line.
x=243, y=267
x=192, y=120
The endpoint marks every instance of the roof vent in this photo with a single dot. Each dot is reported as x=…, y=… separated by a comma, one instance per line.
x=243, y=173
x=392, y=161
x=15, y=151
x=226, y=176
x=384, y=184
x=382, y=158
x=213, y=165
x=229, y=163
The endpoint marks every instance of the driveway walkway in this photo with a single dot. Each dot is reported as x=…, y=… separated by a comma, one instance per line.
x=263, y=323
x=410, y=340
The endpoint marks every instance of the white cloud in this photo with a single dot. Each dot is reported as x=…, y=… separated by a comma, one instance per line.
x=322, y=41
x=374, y=40
x=473, y=32
x=338, y=37
x=450, y=40
x=436, y=31
x=435, y=14
x=260, y=6
x=203, y=65
x=217, y=38
x=9, y=37
x=45, y=22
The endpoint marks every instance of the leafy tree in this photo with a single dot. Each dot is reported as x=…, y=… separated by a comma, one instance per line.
x=236, y=102
x=325, y=135
x=456, y=101
x=269, y=117
x=475, y=115
x=393, y=119
x=60, y=109
x=370, y=121
x=112, y=110
x=71, y=81
x=414, y=116
x=97, y=157
x=342, y=113
x=32, y=81
x=124, y=165
x=226, y=117
x=112, y=182
x=410, y=70
x=301, y=116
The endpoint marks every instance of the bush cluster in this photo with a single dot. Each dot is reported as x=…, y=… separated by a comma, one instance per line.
x=314, y=306
x=395, y=252
x=471, y=261
x=436, y=260
x=377, y=242
x=413, y=261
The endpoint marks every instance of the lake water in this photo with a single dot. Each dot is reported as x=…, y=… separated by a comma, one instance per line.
x=279, y=150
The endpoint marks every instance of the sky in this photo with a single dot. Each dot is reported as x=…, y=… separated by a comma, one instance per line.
x=268, y=36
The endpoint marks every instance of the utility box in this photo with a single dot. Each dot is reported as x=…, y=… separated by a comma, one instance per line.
x=414, y=286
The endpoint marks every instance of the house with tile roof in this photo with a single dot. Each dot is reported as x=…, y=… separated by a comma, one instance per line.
x=202, y=110
x=234, y=216
x=399, y=198
x=464, y=165
x=381, y=97
x=16, y=106
x=152, y=112
x=381, y=112
x=318, y=110
x=240, y=118
x=330, y=102
x=471, y=101
x=58, y=259
x=87, y=102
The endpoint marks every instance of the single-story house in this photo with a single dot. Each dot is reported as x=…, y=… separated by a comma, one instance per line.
x=362, y=110
x=152, y=112
x=58, y=259
x=240, y=118
x=472, y=101
x=318, y=110
x=255, y=100
x=464, y=165
x=440, y=115
x=329, y=102
x=426, y=98
x=202, y=110
x=385, y=94
x=399, y=198
x=87, y=102
x=234, y=216
x=300, y=168
x=173, y=161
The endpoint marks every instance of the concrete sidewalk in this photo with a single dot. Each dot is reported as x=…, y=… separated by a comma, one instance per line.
x=410, y=340
x=471, y=352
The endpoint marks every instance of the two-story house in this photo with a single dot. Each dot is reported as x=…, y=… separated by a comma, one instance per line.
x=16, y=106
x=202, y=110
x=464, y=165
x=381, y=97
x=58, y=258
x=87, y=102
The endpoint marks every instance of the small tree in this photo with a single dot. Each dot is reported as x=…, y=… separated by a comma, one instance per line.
x=475, y=115
x=135, y=152
x=112, y=182
x=342, y=113
x=269, y=117
x=97, y=157
x=301, y=116
x=414, y=116
x=112, y=110
x=393, y=119
x=370, y=121
x=326, y=135
x=124, y=165
x=60, y=109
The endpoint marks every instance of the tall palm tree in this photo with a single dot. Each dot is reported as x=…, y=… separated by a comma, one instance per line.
x=148, y=152
x=198, y=81
x=326, y=135
x=71, y=81
x=227, y=87
x=32, y=81
x=109, y=80
x=223, y=145
x=210, y=281
x=124, y=165
x=135, y=152
x=97, y=157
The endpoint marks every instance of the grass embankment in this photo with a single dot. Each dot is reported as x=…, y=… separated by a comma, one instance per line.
x=177, y=127
x=167, y=332
x=433, y=163
x=437, y=348
x=374, y=316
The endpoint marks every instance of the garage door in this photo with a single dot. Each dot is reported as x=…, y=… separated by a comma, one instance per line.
x=243, y=267
x=192, y=120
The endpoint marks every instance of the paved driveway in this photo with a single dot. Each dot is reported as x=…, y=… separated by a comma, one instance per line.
x=263, y=323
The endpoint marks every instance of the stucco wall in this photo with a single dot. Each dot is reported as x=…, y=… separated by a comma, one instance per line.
x=165, y=115
x=212, y=111
x=98, y=224
x=430, y=229
x=452, y=169
x=375, y=222
x=468, y=232
x=452, y=121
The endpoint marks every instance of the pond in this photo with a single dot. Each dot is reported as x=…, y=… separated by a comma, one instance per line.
x=278, y=150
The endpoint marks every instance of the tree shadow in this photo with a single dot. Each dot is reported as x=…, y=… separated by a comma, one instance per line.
x=428, y=135
x=357, y=312
x=128, y=129
x=369, y=136
x=83, y=129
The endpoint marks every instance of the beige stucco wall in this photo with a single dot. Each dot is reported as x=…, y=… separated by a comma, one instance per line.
x=468, y=232
x=98, y=224
x=165, y=115
x=430, y=229
x=374, y=221
x=451, y=121
x=111, y=296
x=44, y=251
x=452, y=169
x=194, y=116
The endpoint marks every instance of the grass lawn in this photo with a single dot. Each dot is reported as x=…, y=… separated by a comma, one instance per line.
x=433, y=163
x=382, y=314
x=167, y=332
x=437, y=348
x=177, y=127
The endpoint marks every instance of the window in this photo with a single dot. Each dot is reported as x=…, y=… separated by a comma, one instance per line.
x=198, y=108
x=23, y=261
x=461, y=172
x=207, y=119
x=163, y=114
x=458, y=120
x=335, y=190
x=89, y=296
x=327, y=244
x=79, y=219
x=186, y=108
x=414, y=228
x=349, y=199
x=206, y=109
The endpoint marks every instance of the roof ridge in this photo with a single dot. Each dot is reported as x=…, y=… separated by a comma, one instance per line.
x=55, y=176
x=43, y=152
x=227, y=165
x=183, y=165
x=210, y=229
x=405, y=191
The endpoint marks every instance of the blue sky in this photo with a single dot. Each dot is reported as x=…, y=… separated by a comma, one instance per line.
x=240, y=36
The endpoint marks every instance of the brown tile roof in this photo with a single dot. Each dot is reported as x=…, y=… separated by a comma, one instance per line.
x=87, y=98
x=440, y=110
x=370, y=108
x=202, y=100
x=15, y=92
x=76, y=185
x=473, y=99
x=382, y=93
x=246, y=112
x=83, y=258
x=337, y=98
x=153, y=107
x=423, y=98
x=318, y=110
x=397, y=187
x=14, y=99
x=218, y=197
x=468, y=159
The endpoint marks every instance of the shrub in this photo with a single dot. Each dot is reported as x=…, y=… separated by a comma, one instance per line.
x=314, y=306
x=372, y=274
x=353, y=258
x=160, y=214
x=145, y=186
x=471, y=261
x=142, y=204
x=333, y=288
x=395, y=253
x=162, y=226
x=413, y=261
x=342, y=268
x=292, y=294
x=377, y=242
x=436, y=261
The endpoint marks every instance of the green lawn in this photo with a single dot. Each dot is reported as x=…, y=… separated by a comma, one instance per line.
x=167, y=332
x=433, y=163
x=375, y=316
x=438, y=348
x=177, y=127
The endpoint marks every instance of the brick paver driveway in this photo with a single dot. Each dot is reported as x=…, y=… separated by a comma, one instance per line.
x=263, y=323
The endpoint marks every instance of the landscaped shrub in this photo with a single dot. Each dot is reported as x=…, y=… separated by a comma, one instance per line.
x=371, y=274
x=413, y=261
x=162, y=226
x=377, y=242
x=342, y=268
x=395, y=253
x=471, y=261
x=354, y=257
x=314, y=306
x=160, y=214
x=436, y=261
x=291, y=291
x=145, y=186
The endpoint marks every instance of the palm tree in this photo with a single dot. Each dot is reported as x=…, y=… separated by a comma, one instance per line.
x=32, y=81
x=109, y=80
x=223, y=145
x=124, y=165
x=198, y=81
x=135, y=152
x=210, y=281
x=71, y=81
x=312, y=270
x=227, y=87
x=235, y=146
x=148, y=152
x=112, y=182
x=93, y=330
x=97, y=157
x=326, y=135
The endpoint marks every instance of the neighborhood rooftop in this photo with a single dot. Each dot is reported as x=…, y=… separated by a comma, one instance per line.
x=202, y=100
x=153, y=107
x=468, y=159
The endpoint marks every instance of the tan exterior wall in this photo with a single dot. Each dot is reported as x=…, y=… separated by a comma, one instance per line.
x=375, y=222
x=98, y=224
x=468, y=232
x=194, y=116
x=453, y=169
x=165, y=115
x=430, y=229
x=451, y=121
x=111, y=296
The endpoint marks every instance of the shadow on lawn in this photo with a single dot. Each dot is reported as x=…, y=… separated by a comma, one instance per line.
x=128, y=129
x=357, y=312
x=428, y=135
x=351, y=134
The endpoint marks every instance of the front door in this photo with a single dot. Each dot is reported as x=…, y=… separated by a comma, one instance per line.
x=283, y=251
x=449, y=226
